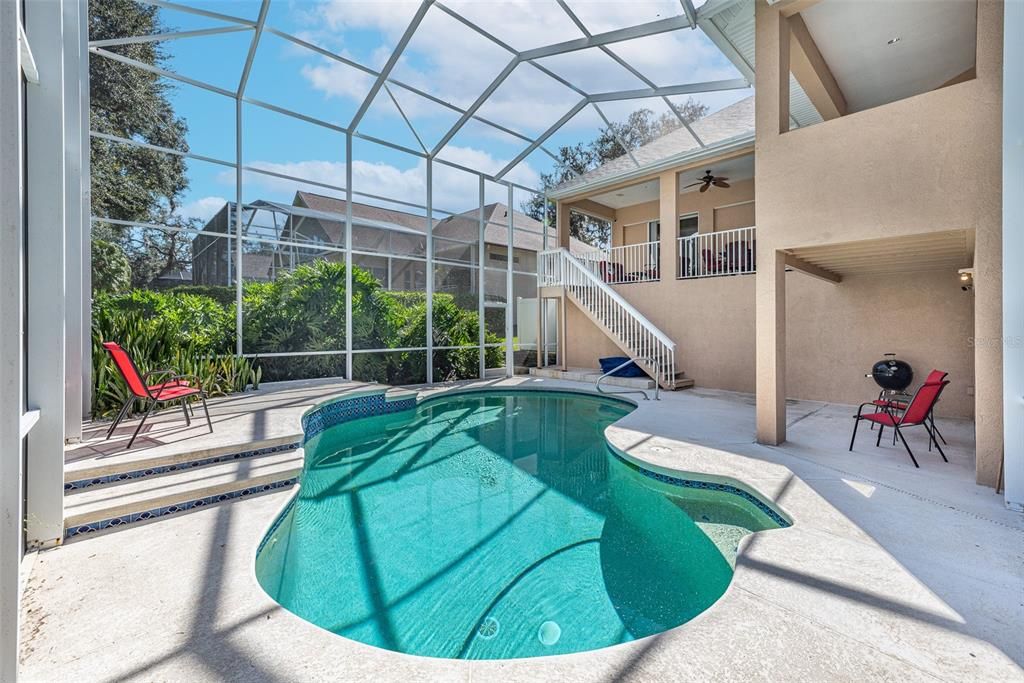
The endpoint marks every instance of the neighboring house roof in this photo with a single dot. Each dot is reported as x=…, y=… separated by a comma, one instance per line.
x=734, y=121
x=464, y=226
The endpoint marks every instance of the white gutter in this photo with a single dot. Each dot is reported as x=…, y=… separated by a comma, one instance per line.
x=666, y=163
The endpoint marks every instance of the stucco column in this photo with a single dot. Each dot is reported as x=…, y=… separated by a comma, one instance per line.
x=1013, y=251
x=772, y=75
x=990, y=346
x=771, y=345
x=562, y=213
x=668, y=214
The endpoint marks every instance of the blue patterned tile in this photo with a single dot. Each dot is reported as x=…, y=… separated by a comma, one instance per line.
x=175, y=467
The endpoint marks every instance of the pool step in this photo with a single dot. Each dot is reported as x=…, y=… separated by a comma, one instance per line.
x=134, y=500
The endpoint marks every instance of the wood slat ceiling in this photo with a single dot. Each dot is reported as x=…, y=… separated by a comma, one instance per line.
x=949, y=250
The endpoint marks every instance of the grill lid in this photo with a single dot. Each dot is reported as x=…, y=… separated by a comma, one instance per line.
x=892, y=374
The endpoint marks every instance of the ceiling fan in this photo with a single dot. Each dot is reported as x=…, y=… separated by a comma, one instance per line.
x=708, y=180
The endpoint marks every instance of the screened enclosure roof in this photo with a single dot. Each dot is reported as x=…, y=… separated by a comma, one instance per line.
x=494, y=88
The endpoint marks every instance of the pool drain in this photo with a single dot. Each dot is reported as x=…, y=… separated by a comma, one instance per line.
x=488, y=628
x=549, y=633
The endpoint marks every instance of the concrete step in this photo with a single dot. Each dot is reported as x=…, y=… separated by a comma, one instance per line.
x=149, y=497
x=591, y=375
x=118, y=462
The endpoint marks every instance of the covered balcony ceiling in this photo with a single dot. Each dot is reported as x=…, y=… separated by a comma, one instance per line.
x=736, y=170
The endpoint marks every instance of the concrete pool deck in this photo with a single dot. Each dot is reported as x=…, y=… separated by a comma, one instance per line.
x=888, y=573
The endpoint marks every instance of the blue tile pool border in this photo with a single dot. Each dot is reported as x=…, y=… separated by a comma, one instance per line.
x=345, y=409
x=79, y=484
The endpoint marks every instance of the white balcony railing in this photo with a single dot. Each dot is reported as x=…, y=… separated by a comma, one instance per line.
x=709, y=254
x=619, y=265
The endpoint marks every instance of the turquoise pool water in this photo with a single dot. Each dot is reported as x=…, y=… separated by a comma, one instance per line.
x=498, y=524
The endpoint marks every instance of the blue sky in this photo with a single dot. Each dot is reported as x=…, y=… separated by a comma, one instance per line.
x=445, y=58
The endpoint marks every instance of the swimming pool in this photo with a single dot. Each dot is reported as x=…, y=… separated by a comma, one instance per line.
x=498, y=524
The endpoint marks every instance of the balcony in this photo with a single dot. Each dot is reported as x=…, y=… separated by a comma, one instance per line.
x=712, y=254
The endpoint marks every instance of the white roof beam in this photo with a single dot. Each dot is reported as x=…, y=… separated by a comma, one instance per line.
x=162, y=72
x=631, y=69
x=616, y=36
x=410, y=30
x=201, y=12
x=176, y=35
x=690, y=12
x=617, y=138
x=688, y=89
x=260, y=21
x=544, y=136
x=499, y=79
x=404, y=117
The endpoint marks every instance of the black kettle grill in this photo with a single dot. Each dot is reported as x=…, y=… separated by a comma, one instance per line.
x=892, y=374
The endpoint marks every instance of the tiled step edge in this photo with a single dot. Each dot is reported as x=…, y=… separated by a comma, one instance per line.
x=176, y=466
x=244, y=490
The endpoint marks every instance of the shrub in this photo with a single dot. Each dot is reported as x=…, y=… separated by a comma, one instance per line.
x=192, y=329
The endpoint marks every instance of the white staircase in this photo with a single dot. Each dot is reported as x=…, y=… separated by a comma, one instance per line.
x=637, y=336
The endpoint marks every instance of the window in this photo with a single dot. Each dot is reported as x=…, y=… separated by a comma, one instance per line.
x=688, y=225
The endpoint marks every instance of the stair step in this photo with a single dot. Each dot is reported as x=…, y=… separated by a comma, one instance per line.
x=125, y=501
x=118, y=463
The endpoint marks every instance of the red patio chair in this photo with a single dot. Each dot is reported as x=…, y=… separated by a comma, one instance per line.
x=916, y=413
x=934, y=377
x=175, y=387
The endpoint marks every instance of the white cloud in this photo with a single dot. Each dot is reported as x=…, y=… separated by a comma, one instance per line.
x=204, y=209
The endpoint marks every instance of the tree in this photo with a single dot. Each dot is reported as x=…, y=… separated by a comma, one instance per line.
x=111, y=271
x=614, y=140
x=131, y=183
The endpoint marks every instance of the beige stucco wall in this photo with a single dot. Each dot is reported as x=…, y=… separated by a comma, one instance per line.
x=926, y=163
x=835, y=333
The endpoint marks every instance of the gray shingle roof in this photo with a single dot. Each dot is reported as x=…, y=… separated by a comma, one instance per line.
x=733, y=121
x=463, y=226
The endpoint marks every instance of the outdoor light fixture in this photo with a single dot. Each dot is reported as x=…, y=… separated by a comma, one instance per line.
x=893, y=41
x=966, y=279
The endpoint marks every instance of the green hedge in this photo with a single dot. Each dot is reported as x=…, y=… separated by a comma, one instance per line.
x=192, y=329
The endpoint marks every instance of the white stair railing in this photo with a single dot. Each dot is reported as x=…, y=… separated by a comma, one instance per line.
x=646, y=343
x=629, y=263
